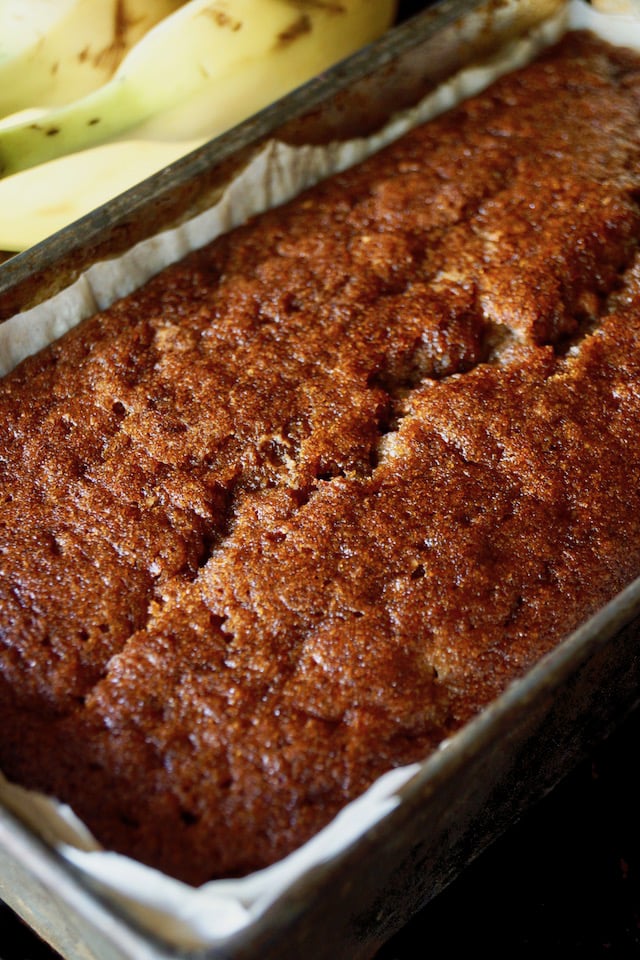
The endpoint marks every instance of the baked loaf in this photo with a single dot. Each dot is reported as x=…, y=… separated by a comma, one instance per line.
x=297, y=509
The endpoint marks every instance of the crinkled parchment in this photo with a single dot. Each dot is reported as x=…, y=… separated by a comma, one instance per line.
x=184, y=916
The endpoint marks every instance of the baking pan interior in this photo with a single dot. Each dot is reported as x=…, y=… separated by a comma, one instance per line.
x=470, y=791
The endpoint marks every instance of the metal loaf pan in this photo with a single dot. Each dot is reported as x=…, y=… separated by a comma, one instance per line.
x=517, y=749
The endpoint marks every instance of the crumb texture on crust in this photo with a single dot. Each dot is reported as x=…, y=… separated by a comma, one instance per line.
x=297, y=509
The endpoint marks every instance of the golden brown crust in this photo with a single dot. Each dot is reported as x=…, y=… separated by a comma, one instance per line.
x=296, y=510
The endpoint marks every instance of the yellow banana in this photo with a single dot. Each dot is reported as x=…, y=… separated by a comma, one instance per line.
x=276, y=54
x=226, y=57
x=253, y=57
x=54, y=51
x=38, y=202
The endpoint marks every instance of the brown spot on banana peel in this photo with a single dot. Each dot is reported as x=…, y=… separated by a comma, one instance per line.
x=298, y=28
x=329, y=6
x=303, y=25
x=111, y=54
x=222, y=19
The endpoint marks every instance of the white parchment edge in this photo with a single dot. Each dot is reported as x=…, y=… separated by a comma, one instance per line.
x=184, y=916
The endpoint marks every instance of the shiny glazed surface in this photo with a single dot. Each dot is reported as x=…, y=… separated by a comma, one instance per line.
x=300, y=507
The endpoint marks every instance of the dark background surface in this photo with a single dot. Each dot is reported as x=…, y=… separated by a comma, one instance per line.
x=563, y=882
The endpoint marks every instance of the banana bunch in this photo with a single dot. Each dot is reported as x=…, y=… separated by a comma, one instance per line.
x=54, y=51
x=110, y=97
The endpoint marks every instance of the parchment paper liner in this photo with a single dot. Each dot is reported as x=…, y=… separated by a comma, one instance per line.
x=183, y=916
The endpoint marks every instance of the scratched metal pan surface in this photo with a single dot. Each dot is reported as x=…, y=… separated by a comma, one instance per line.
x=464, y=796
